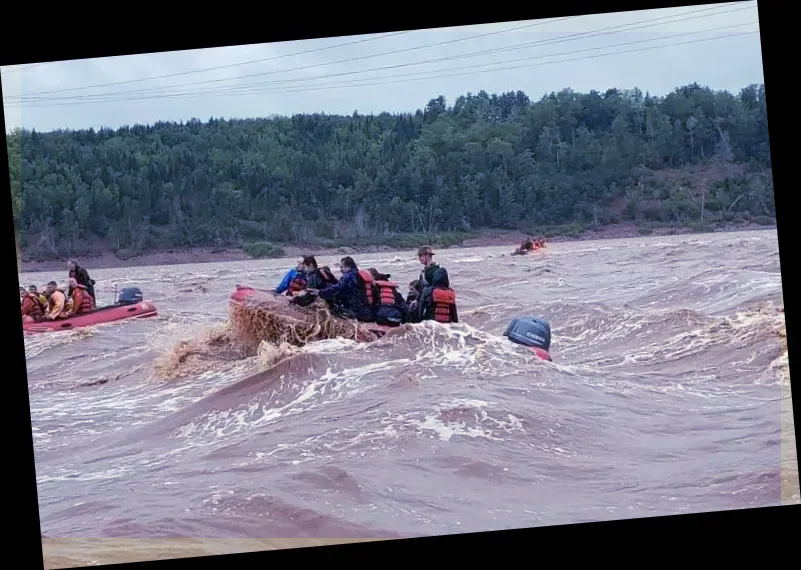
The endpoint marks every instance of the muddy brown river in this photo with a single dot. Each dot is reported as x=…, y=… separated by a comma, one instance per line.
x=669, y=394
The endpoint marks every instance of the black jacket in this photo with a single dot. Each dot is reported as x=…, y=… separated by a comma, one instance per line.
x=439, y=279
x=82, y=277
x=318, y=279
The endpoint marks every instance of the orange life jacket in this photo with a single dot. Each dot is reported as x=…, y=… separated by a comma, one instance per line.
x=32, y=307
x=81, y=301
x=386, y=293
x=443, y=300
x=369, y=282
x=297, y=284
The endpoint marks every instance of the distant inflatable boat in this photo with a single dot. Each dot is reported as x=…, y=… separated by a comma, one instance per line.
x=519, y=251
x=130, y=305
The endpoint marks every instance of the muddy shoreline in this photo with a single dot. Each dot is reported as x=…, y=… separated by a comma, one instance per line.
x=109, y=260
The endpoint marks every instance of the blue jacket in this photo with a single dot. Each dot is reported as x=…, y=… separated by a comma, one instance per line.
x=349, y=295
x=290, y=275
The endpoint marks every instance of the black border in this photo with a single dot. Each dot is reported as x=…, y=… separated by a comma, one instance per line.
x=47, y=35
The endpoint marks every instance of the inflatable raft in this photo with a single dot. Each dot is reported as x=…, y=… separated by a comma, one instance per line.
x=272, y=317
x=130, y=305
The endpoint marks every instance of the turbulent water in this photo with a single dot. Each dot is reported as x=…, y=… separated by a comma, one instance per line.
x=668, y=394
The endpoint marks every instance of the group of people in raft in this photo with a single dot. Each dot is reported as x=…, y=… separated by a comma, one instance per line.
x=369, y=296
x=530, y=244
x=55, y=303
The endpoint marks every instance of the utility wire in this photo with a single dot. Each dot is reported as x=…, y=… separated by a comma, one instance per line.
x=604, y=31
x=238, y=88
x=383, y=81
x=169, y=75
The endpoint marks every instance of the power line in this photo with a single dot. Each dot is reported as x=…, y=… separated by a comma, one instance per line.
x=493, y=66
x=214, y=68
x=383, y=81
x=528, y=25
x=603, y=31
x=237, y=88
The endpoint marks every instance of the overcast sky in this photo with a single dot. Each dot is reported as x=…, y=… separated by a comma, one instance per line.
x=396, y=72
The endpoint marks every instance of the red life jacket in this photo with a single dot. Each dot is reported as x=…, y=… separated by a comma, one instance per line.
x=443, y=300
x=297, y=284
x=541, y=354
x=86, y=302
x=386, y=293
x=32, y=307
x=369, y=282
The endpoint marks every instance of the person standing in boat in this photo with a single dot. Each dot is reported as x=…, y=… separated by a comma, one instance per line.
x=81, y=276
x=82, y=301
x=421, y=308
x=56, y=303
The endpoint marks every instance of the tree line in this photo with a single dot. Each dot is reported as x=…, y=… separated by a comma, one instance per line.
x=560, y=164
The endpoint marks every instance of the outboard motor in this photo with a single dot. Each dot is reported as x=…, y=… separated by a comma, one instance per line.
x=130, y=296
x=533, y=332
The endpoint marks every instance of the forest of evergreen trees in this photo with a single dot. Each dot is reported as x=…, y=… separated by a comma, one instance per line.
x=567, y=162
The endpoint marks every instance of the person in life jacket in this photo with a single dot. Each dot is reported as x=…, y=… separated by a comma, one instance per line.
x=40, y=296
x=421, y=309
x=292, y=280
x=82, y=301
x=426, y=256
x=533, y=333
x=527, y=245
x=31, y=307
x=438, y=302
x=81, y=276
x=390, y=308
x=352, y=296
x=56, y=303
x=317, y=278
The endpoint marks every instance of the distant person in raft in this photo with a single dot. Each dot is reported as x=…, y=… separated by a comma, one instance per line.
x=352, y=297
x=293, y=282
x=533, y=333
x=82, y=301
x=31, y=307
x=56, y=303
x=317, y=278
x=81, y=276
x=41, y=296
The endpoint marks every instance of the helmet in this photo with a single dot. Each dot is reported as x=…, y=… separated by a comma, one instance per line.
x=530, y=331
x=426, y=249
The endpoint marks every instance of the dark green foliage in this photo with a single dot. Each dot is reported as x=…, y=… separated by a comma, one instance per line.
x=558, y=166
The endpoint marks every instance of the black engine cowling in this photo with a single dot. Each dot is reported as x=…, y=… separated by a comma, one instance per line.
x=130, y=296
x=530, y=331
